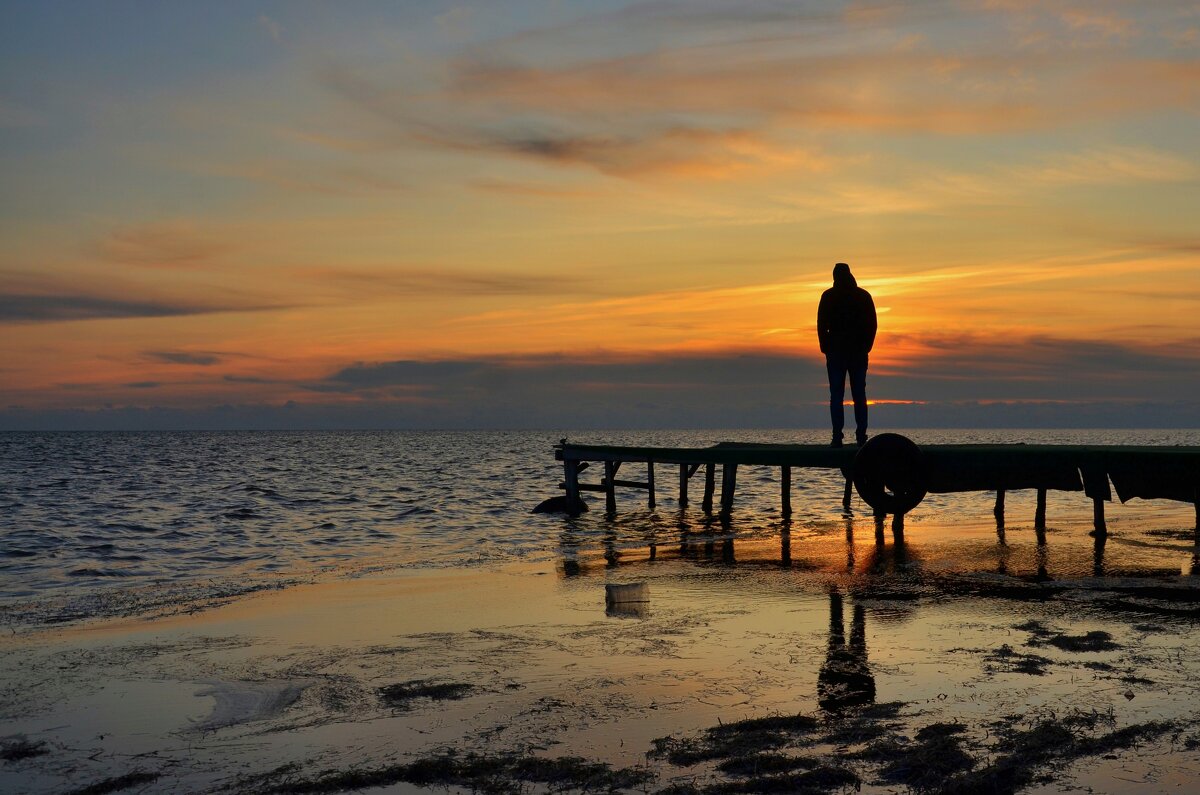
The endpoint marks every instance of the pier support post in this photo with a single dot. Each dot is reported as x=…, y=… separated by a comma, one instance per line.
x=1039, y=516
x=785, y=491
x=650, y=485
x=1098, y=517
x=710, y=478
x=847, y=494
x=683, y=484
x=571, y=477
x=728, y=484
x=998, y=511
x=610, y=486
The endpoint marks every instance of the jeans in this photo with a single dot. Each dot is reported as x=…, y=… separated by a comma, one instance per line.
x=838, y=367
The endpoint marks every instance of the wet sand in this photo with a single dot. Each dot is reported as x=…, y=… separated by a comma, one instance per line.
x=880, y=655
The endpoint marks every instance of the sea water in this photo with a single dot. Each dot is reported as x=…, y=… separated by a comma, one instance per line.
x=97, y=524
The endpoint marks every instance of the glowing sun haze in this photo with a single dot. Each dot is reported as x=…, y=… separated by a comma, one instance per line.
x=583, y=214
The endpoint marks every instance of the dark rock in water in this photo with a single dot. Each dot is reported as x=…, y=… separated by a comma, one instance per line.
x=561, y=504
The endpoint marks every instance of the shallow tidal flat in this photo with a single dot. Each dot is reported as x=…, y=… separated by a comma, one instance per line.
x=822, y=660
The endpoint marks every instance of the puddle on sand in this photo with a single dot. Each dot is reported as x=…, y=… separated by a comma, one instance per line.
x=878, y=646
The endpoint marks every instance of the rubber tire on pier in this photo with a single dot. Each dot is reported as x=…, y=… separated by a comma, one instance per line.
x=889, y=474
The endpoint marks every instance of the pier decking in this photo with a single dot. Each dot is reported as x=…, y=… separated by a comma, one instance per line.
x=892, y=474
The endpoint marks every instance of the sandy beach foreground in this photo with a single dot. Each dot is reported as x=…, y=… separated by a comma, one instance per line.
x=744, y=672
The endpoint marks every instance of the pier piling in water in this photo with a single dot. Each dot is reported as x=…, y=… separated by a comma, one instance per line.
x=785, y=491
x=1100, y=526
x=650, y=485
x=728, y=486
x=610, y=485
x=710, y=478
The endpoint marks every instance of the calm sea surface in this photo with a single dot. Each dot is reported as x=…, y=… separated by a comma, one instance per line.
x=116, y=523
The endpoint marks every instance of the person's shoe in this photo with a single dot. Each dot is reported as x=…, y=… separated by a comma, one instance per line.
x=860, y=439
x=837, y=442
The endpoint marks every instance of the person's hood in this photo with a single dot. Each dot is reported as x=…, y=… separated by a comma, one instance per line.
x=842, y=277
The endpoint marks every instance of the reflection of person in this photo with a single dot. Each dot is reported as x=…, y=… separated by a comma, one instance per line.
x=846, y=326
x=845, y=679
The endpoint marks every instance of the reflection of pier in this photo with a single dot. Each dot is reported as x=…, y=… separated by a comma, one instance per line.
x=894, y=477
x=710, y=543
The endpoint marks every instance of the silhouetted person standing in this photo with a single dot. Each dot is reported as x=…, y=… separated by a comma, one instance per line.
x=846, y=326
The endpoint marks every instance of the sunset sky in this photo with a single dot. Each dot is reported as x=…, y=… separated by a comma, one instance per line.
x=595, y=214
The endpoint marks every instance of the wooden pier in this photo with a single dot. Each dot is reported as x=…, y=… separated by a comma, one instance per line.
x=893, y=475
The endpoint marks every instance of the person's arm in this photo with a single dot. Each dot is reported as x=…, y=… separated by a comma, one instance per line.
x=823, y=323
x=873, y=324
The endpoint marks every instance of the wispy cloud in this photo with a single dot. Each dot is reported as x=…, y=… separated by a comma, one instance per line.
x=930, y=190
x=168, y=244
x=1105, y=25
x=19, y=308
x=678, y=151
x=41, y=299
x=535, y=190
x=303, y=177
x=401, y=281
x=1111, y=165
x=234, y=378
x=185, y=357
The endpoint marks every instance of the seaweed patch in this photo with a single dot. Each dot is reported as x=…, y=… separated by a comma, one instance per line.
x=741, y=738
x=117, y=784
x=17, y=748
x=402, y=694
x=1006, y=659
x=500, y=773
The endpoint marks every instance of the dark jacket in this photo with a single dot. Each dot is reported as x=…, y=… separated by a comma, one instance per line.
x=846, y=322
